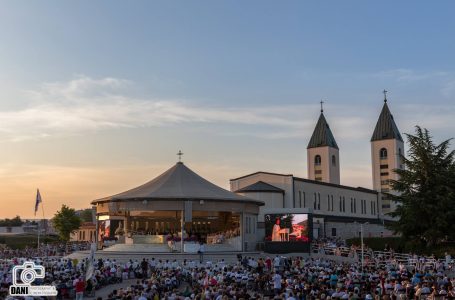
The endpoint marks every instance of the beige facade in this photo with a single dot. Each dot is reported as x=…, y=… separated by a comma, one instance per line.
x=271, y=200
x=323, y=164
x=86, y=233
x=386, y=157
x=334, y=207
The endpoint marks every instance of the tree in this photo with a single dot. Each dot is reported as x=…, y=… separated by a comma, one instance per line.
x=86, y=215
x=16, y=221
x=66, y=222
x=426, y=191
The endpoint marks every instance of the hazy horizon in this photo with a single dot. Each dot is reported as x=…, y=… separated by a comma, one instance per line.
x=98, y=97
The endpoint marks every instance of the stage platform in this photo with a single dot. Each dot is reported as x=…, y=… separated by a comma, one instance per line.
x=164, y=248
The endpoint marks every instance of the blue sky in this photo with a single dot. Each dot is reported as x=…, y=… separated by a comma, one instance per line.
x=96, y=97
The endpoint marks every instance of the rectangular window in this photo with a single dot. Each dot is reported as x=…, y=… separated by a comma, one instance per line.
x=355, y=205
x=315, y=199
x=317, y=171
x=384, y=166
x=319, y=201
x=344, y=204
x=334, y=232
x=341, y=204
x=384, y=182
x=331, y=200
x=385, y=190
x=304, y=200
x=352, y=206
x=300, y=198
x=384, y=173
x=328, y=202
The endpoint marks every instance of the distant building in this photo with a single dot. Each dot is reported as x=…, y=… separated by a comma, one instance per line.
x=85, y=233
x=337, y=210
x=30, y=226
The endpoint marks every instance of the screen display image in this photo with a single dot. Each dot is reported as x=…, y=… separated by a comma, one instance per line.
x=286, y=228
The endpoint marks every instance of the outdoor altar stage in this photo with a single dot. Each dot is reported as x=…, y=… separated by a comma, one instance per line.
x=178, y=209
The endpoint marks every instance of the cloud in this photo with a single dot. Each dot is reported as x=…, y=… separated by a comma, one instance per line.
x=408, y=75
x=443, y=80
x=448, y=89
x=86, y=105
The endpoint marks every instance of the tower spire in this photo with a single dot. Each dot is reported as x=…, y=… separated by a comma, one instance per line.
x=323, y=153
x=385, y=95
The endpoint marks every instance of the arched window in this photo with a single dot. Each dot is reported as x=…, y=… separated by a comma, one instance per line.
x=383, y=153
x=334, y=161
x=317, y=160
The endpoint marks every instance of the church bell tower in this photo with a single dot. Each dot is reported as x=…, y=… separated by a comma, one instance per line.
x=387, y=147
x=323, y=158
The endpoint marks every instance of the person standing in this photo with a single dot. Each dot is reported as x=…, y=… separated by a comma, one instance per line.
x=79, y=288
x=144, y=267
x=201, y=252
x=276, y=283
x=276, y=237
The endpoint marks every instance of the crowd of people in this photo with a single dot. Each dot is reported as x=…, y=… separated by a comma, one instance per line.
x=45, y=250
x=261, y=277
x=70, y=277
x=284, y=278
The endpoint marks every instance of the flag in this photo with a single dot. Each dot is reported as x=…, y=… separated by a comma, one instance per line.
x=90, y=262
x=38, y=200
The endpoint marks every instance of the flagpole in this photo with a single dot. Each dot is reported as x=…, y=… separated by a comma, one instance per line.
x=38, y=233
x=37, y=202
x=44, y=222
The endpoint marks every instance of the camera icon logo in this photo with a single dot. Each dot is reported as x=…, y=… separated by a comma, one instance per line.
x=25, y=274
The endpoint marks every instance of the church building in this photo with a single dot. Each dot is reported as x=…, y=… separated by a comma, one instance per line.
x=337, y=210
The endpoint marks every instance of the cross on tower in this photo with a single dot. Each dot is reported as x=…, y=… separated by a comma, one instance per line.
x=322, y=108
x=180, y=154
x=385, y=95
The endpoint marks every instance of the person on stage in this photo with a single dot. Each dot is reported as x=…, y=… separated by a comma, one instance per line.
x=276, y=231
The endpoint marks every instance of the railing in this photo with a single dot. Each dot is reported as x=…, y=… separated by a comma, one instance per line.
x=383, y=258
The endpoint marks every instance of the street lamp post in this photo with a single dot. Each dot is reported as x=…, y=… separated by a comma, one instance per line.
x=361, y=243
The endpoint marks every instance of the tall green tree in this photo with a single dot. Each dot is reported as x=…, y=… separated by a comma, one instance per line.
x=66, y=221
x=426, y=200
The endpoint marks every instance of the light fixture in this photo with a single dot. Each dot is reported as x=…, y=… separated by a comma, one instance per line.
x=201, y=202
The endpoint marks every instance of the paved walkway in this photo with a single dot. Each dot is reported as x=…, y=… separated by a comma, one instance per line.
x=120, y=256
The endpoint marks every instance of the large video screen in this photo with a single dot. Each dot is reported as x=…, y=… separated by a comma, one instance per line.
x=286, y=228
